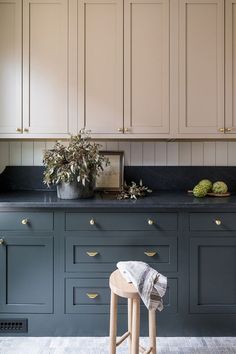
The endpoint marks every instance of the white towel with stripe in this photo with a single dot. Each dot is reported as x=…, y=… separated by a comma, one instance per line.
x=150, y=284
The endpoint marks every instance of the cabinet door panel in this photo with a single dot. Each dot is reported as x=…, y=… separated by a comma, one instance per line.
x=10, y=66
x=230, y=72
x=201, y=66
x=100, y=71
x=213, y=275
x=146, y=58
x=26, y=280
x=45, y=66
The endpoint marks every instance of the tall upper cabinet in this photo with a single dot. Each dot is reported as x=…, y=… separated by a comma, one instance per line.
x=45, y=66
x=201, y=67
x=10, y=66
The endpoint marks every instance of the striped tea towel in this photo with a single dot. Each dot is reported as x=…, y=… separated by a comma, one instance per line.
x=150, y=284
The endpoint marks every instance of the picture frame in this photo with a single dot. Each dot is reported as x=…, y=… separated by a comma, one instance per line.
x=112, y=178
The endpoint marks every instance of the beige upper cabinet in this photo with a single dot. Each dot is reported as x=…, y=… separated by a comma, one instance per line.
x=10, y=66
x=100, y=66
x=45, y=67
x=230, y=66
x=146, y=66
x=201, y=67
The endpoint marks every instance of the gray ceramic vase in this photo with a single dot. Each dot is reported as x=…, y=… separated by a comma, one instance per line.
x=75, y=190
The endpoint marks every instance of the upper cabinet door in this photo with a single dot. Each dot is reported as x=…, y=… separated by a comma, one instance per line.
x=10, y=66
x=100, y=66
x=230, y=66
x=201, y=66
x=45, y=56
x=146, y=66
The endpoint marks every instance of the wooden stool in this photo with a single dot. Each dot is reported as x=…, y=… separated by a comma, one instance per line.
x=120, y=287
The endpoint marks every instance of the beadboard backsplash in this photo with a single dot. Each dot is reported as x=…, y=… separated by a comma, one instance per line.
x=137, y=153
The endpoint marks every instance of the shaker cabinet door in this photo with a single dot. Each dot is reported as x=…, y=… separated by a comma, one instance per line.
x=100, y=66
x=45, y=70
x=10, y=66
x=201, y=67
x=26, y=279
x=146, y=66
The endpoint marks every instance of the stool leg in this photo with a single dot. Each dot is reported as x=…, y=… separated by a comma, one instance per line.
x=152, y=330
x=113, y=323
x=135, y=326
x=130, y=313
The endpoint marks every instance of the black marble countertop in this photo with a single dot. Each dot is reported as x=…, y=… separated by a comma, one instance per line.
x=159, y=200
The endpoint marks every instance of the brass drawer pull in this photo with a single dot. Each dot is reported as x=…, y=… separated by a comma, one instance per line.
x=222, y=130
x=92, y=254
x=150, y=254
x=150, y=222
x=25, y=221
x=1, y=241
x=92, y=296
x=18, y=130
x=218, y=222
x=92, y=222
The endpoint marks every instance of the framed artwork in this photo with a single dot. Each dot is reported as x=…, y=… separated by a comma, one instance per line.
x=112, y=178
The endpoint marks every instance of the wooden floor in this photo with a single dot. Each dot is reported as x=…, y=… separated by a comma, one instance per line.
x=78, y=345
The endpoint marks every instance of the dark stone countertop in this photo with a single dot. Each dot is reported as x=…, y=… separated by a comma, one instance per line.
x=159, y=200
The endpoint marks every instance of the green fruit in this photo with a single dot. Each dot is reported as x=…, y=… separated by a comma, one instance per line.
x=206, y=183
x=199, y=191
x=219, y=187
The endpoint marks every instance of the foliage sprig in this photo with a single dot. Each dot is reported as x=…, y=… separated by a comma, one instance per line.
x=134, y=191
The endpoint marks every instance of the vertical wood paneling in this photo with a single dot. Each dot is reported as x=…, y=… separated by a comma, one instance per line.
x=221, y=153
x=4, y=155
x=125, y=146
x=185, y=150
x=136, y=154
x=232, y=153
x=197, y=153
x=15, y=153
x=39, y=147
x=160, y=153
x=173, y=154
x=148, y=154
x=209, y=153
x=27, y=150
x=112, y=145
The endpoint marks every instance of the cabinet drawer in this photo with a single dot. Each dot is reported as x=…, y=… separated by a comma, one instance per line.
x=26, y=221
x=121, y=221
x=102, y=256
x=212, y=221
x=93, y=296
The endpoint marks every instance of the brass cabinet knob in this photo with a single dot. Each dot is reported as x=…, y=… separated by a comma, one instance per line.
x=222, y=130
x=150, y=254
x=228, y=129
x=126, y=130
x=1, y=241
x=92, y=254
x=92, y=222
x=120, y=130
x=18, y=130
x=150, y=222
x=92, y=296
x=24, y=221
x=218, y=222
x=26, y=130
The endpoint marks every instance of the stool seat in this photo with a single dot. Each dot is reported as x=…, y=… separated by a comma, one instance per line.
x=121, y=287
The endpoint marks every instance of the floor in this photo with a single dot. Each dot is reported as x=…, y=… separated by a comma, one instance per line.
x=78, y=345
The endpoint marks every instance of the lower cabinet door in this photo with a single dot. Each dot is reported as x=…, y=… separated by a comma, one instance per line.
x=93, y=296
x=26, y=278
x=213, y=275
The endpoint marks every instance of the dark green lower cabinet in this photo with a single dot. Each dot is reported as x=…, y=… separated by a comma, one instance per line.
x=26, y=279
x=213, y=275
x=55, y=268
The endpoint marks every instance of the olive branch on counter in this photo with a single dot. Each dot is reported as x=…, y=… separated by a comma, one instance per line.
x=134, y=191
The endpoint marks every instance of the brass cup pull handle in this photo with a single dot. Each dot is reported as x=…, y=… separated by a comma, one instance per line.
x=120, y=130
x=228, y=129
x=18, y=130
x=218, y=222
x=92, y=254
x=92, y=222
x=24, y=221
x=150, y=254
x=92, y=296
x=222, y=130
x=126, y=130
x=1, y=241
x=150, y=222
x=26, y=130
